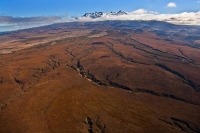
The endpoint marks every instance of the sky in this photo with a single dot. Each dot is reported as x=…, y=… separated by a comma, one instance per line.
x=20, y=14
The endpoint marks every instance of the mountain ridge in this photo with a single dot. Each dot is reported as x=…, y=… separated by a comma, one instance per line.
x=100, y=14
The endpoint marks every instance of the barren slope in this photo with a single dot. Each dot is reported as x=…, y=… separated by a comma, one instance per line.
x=105, y=80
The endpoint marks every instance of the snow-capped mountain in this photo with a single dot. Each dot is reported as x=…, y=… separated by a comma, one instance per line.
x=119, y=13
x=94, y=14
x=100, y=14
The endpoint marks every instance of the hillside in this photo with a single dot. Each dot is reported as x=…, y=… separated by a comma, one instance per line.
x=101, y=77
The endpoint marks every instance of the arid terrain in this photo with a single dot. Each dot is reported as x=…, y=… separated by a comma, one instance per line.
x=101, y=77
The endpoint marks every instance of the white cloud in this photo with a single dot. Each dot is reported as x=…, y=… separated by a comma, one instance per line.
x=185, y=18
x=139, y=11
x=171, y=5
x=13, y=23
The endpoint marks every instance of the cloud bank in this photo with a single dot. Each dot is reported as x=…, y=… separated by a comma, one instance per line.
x=8, y=23
x=185, y=18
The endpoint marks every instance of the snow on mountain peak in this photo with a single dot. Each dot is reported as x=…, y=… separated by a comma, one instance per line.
x=100, y=14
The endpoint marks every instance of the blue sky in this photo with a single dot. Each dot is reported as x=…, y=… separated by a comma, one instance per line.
x=29, y=8
x=48, y=10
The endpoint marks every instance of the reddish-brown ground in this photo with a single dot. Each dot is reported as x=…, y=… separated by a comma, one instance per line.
x=104, y=82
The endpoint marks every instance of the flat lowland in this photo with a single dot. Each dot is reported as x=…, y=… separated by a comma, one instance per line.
x=100, y=77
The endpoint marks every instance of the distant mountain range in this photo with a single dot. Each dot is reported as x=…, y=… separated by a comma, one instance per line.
x=100, y=14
